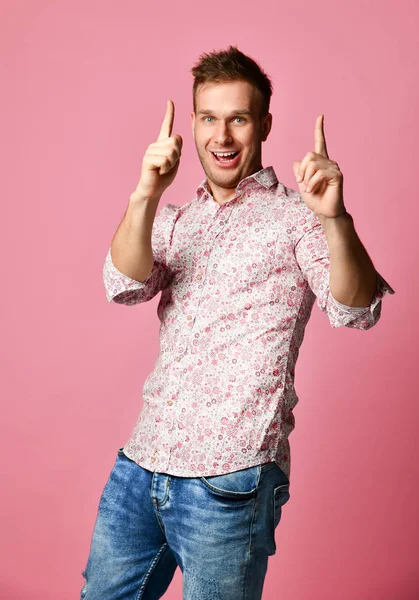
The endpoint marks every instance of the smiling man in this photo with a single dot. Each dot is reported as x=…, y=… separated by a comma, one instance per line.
x=229, y=136
x=203, y=478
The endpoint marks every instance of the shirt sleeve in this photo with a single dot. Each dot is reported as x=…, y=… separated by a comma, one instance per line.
x=122, y=289
x=313, y=257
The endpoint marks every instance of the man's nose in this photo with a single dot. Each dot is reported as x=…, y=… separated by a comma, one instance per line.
x=222, y=134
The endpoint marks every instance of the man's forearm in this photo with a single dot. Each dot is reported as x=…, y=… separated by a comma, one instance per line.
x=131, y=249
x=352, y=273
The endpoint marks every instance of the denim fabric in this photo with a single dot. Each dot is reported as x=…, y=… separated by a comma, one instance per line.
x=220, y=531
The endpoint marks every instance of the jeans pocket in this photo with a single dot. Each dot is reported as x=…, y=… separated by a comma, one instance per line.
x=281, y=497
x=241, y=484
x=268, y=465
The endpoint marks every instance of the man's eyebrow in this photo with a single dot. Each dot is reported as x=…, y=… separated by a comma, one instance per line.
x=242, y=111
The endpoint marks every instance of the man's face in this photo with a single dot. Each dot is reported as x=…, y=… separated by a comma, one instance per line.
x=227, y=119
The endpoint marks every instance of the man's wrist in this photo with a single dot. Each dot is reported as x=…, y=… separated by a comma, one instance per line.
x=338, y=221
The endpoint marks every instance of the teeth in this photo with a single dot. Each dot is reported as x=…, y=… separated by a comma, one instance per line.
x=224, y=153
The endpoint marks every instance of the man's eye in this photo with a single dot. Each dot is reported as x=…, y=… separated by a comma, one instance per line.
x=205, y=119
x=239, y=118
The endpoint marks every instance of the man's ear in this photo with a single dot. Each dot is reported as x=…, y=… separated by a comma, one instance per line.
x=266, y=126
x=193, y=124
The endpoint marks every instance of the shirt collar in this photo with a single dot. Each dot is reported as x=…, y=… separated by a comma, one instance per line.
x=265, y=177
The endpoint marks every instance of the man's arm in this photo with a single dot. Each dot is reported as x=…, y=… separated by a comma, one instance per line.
x=352, y=295
x=353, y=277
x=313, y=257
x=131, y=248
x=135, y=269
x=119, y=285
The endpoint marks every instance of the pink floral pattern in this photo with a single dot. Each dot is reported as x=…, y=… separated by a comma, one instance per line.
x=238, y=282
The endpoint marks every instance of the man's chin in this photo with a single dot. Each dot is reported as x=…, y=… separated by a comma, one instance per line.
x=225, y=179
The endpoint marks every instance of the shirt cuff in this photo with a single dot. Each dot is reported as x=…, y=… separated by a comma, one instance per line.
x=360, y=317
x=117, y=282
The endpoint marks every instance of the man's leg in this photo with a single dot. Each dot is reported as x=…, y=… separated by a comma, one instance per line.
x=129, y=556
x=221, y=529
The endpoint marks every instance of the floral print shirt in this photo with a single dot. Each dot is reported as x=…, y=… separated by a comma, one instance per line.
x=238, y=282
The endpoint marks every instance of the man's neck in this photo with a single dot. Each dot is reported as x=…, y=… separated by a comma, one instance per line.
x=222, y=195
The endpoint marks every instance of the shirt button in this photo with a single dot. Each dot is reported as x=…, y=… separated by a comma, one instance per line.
x=189, y=317
x=177, y=358
x=199, y=276
x=169, y=402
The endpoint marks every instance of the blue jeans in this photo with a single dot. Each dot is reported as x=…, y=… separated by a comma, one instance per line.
x=220, y=531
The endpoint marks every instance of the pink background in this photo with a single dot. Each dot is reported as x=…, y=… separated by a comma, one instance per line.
x=84, y=91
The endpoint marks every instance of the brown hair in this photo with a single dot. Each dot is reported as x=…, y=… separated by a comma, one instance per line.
x=232, y=65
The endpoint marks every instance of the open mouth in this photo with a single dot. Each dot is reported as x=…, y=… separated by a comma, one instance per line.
x=226, y=159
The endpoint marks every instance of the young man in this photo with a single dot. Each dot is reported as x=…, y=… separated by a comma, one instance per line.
x=202, y=480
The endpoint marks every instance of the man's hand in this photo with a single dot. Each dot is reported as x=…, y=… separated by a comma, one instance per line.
x=320, y=179
x=161, y=160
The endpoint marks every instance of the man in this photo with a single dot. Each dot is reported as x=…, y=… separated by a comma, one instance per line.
x=202, y=480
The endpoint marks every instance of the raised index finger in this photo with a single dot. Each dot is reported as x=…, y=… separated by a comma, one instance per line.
x=319, y=139
x=166, y=128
